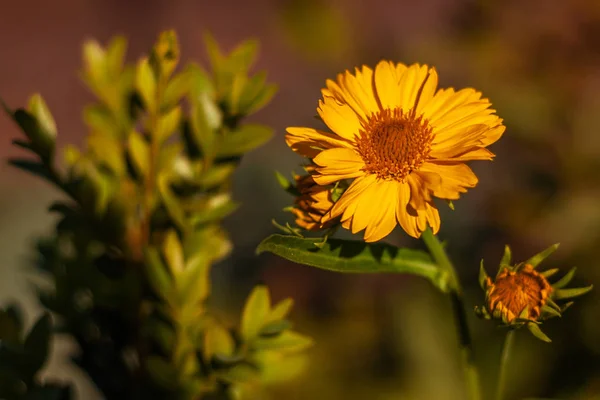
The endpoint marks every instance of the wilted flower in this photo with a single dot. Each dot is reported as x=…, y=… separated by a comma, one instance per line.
x=519, y=295
x=312, y=203
x=401, y=141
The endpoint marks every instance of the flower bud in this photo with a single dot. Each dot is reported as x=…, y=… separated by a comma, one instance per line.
x=521, y=296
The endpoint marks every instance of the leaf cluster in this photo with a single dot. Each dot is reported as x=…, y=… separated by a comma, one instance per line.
x=23, y=356
x=139, y=227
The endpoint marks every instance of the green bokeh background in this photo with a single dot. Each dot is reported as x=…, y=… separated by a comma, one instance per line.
x=378, y=337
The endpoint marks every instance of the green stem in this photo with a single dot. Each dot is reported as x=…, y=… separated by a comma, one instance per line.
x=460, y=315
x=506, y=349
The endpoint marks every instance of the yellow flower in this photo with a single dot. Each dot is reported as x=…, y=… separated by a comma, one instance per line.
x=401, y=141
x=312, y=204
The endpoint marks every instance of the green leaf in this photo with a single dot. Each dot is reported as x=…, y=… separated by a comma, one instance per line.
x=200, y=82
x=275, y=328
x=214, y=53
x=568, y=293
x=282, y=180
x=115, y=56
x=99, y=118
x=537, y=332
x=140, y=153
x=235, y=92
x=162, y=371
x=171, y=160
x=162, y=332
x=158, y=275
x=211, y=241
x=549, y=273
x=171, y=202
x=217, y=340
x=262, y=99
x=524, y=314
x=538, y=258
x=281, y=310
x=506, y=257
x=287, y=341
x=215, y=212
x=243, y=56
x=550, y=311
x=39, y=109
x=23, y=144
x=108, y=151
x=194, y=281
x=42, y=141
x=146, y=84
x=205, y=118
x=165, y=54
x=168, y=124
x=216, y=175
x=173, y=252
x=565, y=280
x=33, y=167
x=37, y=344
x=177, y=87
x=483, y=276
x=94, y=60
x=255, y=312
x=355, y=257
x=244, y=139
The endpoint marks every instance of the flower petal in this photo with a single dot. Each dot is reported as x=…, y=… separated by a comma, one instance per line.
x=355, y=90
x=384, y=216
x=349, y=199
x=309, y=142
x=422, y=184
x=455, y=178
x=410, y=85
x=339, y=117
x=406, y=221
x=336, y=164
x=387, y=78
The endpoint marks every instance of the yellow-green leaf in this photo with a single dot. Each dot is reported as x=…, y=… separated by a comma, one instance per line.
x=217, y=340
x=255, y=312
x=205, y=119
x=538, y=258
x=39, y=109
x=260, y=100
x=108, y=151
x=281, y=310
x=115, y=55
x=145, y=82
x=287, y=341
x=565, y=280
x=168, y=124
x=140, y=153
x=244, y=139
x=94, y=60
x=506, y=257
x=166, y=53
x=158, y=275
x=177, y=87
x=194, y=281
x=173, y=252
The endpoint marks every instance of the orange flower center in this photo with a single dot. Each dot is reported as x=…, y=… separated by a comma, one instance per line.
x=512, y=292
x=393, y=144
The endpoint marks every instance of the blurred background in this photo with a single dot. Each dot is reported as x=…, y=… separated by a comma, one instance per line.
x=377, y=337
